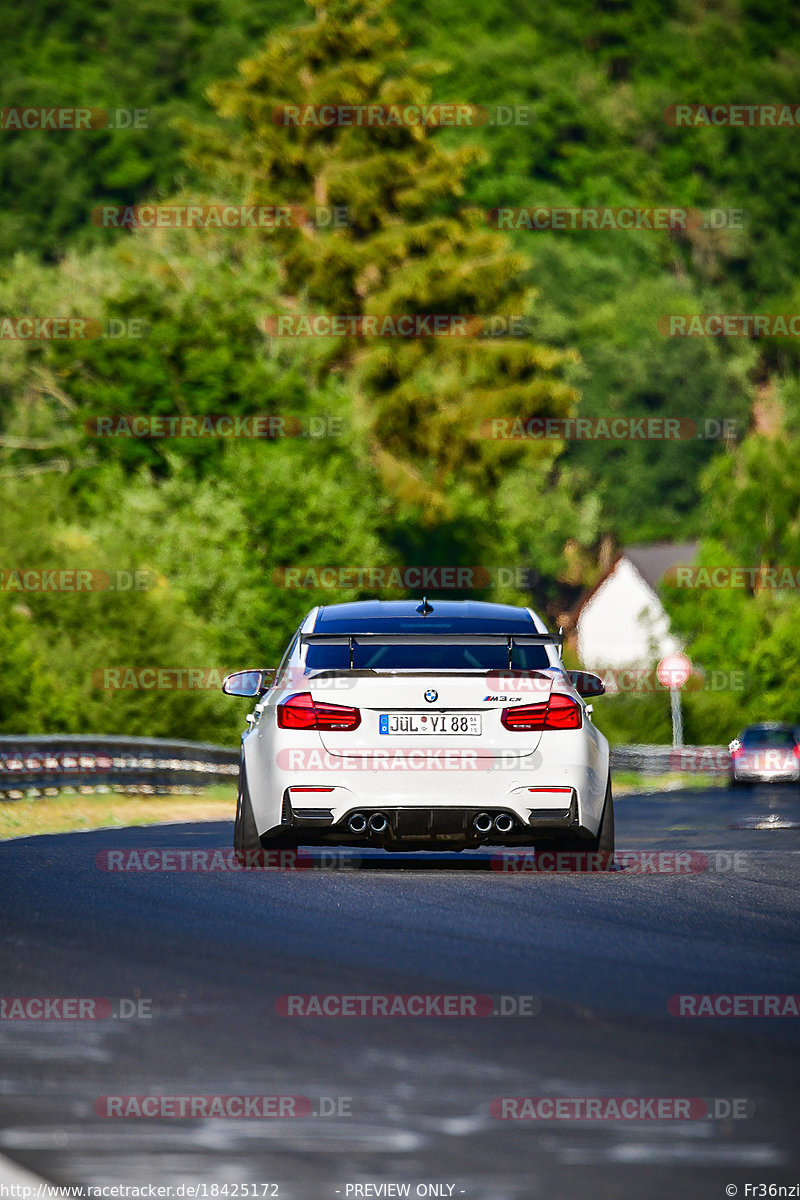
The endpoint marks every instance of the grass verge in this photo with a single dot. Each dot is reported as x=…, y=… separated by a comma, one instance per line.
x=628, y=782
x=74, y=810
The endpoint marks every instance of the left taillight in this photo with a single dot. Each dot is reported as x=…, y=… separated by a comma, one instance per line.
x=559, y=712
x=302, y=711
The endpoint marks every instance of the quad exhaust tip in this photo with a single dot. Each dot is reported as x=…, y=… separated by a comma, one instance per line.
x=502, y=823
x=378, y=823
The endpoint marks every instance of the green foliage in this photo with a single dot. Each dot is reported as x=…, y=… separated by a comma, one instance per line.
x=749, y=628
x=209, y=552
x=634, y=720
x=196, y=298
x=753, y=500
x=596, y=82
x=410, y=478
x=62, y=643
x=408, y=247
x=146, y=56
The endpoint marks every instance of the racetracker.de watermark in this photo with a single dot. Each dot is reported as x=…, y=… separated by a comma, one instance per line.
x=65, y=118
x=401, y=578
x=700, y=760
x=620, y=1108
x=627, y=219
x=74, y=1008
x=194, y=1107
x=175, y=860
x=394, y=1004
x=749, y=116
x=397, y=325
x=75, y=579
x=507, y=685
x=738, y=578
x=727, y=1004
x=267, y=426
x=170, y=679
x=219, y=216
x=603, y=429
x=65, y=329
x=398, y=116
x=644, y=680
x=671, y=220
x=158, y=679
x=382, y=758
x=743, y=325
x=633, y=862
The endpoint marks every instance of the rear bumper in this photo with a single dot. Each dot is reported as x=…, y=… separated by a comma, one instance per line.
x=768, y=776
x=562, y=789
x=425, y=823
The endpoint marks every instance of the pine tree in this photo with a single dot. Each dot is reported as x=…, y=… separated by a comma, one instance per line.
x=410, y=246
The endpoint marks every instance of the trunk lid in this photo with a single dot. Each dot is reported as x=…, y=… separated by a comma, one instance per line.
x=389, y=694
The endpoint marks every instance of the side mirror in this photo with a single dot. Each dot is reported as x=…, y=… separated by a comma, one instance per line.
x=246, y=683
x=586, y=684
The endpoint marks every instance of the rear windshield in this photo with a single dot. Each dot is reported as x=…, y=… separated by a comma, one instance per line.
x=781, y=738
x=453, y=657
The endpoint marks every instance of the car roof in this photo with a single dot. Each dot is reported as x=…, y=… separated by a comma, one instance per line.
x=770, y=725
x=404, y=616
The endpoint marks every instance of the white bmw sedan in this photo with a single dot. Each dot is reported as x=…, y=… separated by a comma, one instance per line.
x=408, y=725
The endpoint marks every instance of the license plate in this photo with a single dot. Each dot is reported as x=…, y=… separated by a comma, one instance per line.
x=438, y=724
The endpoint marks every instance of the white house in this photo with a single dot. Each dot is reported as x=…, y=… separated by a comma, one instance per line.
x=622, y=622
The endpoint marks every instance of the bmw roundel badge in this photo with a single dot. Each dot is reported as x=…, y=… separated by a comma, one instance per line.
x=431, y=695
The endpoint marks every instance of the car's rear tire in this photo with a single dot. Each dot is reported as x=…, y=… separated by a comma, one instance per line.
x=600, y=847
x=245, y=834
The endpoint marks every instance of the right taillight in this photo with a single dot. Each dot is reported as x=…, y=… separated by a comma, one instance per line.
x=559, y=712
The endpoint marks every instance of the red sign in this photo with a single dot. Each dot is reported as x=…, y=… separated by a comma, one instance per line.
x=674, y=670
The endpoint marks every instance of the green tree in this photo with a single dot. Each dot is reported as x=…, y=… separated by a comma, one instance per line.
x=746, y=632
x=409, y=247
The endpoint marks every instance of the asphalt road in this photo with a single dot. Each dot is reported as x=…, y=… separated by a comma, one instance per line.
x=208, y=954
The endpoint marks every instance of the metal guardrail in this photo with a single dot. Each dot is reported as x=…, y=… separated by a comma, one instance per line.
x=47, y=764
x=90, y=762
x=659, y=760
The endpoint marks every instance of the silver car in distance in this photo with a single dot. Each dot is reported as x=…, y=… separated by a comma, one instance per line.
x=765, y=753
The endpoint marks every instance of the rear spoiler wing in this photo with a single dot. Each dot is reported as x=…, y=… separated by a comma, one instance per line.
x=435, y=639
